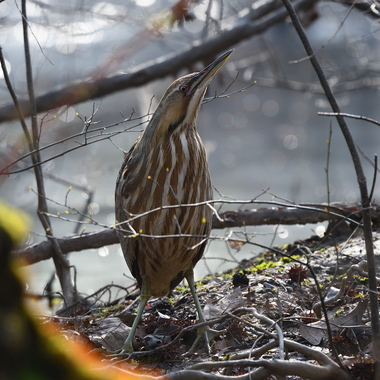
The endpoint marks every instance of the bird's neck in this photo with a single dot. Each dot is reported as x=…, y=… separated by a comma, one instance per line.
x=161, y=129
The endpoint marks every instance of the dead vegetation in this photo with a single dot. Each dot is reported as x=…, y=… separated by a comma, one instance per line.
x=269, y=315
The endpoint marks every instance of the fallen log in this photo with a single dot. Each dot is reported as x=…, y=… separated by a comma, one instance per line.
x=299, y=214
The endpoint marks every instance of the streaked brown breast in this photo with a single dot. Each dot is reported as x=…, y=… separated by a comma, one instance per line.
x=173, y=173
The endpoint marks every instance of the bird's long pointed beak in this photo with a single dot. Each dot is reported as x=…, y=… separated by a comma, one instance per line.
x=204, y=77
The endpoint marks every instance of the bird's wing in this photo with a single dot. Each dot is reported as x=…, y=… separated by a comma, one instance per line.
x=124, y=190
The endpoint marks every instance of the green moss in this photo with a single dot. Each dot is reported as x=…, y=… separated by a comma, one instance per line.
x=288, y=259
x=336, y=315
x=359, y=295
x=106, y=311
x=360, y=279
x=183, y=290
x=266, y=265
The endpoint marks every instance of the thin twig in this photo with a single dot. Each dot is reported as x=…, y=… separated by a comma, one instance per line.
x=15, y=101
x=53, y=144
x=366, y=211
x=332, y=37
x=351, y=116
x=374, y=180
x=61, y=264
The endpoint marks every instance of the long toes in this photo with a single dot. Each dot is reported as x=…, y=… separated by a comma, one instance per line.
x=211, y=334
x=118, y=353
x=127, y=349
x=205, y=334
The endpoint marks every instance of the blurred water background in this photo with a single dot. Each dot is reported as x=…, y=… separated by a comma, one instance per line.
x=267, y=137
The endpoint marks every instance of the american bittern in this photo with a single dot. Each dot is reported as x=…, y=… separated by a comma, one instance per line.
x=167, y=166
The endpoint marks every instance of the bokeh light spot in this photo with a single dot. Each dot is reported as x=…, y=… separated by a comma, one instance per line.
x=196, y=26
x=229, y=160
x=282, y=232
x=320, y=231
x=251, y=103
x=66, y=114
x=111, y=218
x=271, y=108
x=64, y=45
x=93, y=208
x=103, y=251
x=351, y=196
x=145, y=3
x=203, y=11
x=105, y=9
x=248, y=73
x=290, y=142
x=226, y=120
x=210, y=146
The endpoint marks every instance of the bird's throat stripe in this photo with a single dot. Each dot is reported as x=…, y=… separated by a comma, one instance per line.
x=174, y=125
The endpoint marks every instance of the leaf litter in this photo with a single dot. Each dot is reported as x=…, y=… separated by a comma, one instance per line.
x=270, y=283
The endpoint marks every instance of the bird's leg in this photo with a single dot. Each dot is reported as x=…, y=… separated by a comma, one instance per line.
x=203, y=332
x=144, y=297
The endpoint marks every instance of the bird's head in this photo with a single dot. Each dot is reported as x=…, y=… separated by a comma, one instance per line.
x=181, y=101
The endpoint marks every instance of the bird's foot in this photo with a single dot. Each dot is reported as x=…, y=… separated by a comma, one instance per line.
x=127, y=348
x=206, y=334
x=124, y=351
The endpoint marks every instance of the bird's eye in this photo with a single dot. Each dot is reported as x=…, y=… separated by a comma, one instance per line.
x=183, y=88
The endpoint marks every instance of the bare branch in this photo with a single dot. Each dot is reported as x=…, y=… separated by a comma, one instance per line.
x=98, y=134
x=261, y=16
x=343, y=114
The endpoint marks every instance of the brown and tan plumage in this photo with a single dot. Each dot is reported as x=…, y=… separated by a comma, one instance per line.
x=167, y=166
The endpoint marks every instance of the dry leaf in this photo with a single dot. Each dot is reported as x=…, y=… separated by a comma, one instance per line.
x=109, y=333
x=315, y=332
x=235, y=244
